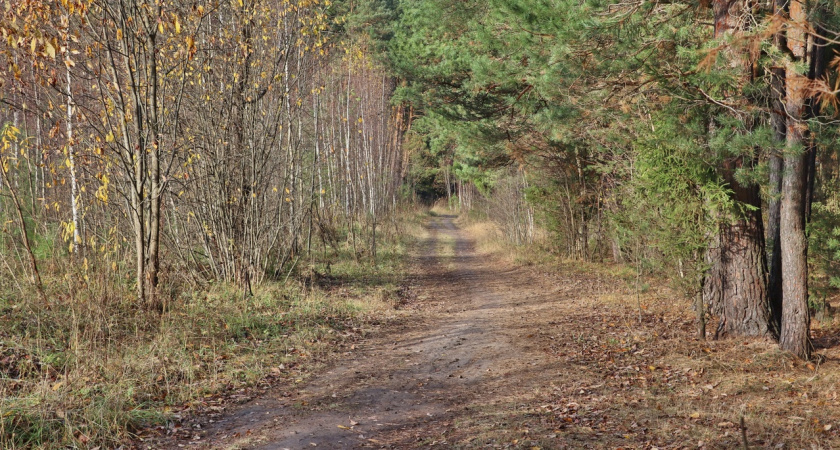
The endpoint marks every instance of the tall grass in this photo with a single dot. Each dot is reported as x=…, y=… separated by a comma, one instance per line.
x=90, y=368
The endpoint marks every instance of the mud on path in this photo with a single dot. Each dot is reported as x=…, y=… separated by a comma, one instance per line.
x=464, y=347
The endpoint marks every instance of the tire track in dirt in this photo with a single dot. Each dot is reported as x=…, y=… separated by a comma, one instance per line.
x=463, y=347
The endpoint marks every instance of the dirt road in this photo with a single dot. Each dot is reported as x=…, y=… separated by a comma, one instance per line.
x=463, y=349
x=488, y=354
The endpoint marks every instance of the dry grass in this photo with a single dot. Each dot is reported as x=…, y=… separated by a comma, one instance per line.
x=621, y=382
x=91, y=369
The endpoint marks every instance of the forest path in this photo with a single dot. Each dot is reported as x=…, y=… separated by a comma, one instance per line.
x=486, y=353
x=466, y=348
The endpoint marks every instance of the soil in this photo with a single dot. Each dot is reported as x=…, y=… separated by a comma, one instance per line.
x=492, y=354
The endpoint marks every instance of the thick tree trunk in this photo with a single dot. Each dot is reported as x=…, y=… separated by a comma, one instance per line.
x=794, y=246
x=796, y=320
x=736, y=284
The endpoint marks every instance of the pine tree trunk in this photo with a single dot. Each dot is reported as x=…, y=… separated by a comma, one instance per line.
x=735, y=285
x=776, y=163
x=796, y=318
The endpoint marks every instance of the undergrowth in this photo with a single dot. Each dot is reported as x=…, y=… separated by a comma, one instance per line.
x=90, y=368
x=626, y=370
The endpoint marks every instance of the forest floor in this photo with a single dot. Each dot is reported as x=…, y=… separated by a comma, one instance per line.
x=495, y=350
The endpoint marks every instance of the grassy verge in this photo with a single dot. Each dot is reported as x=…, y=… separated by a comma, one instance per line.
x=91, y=370
x=629, y=372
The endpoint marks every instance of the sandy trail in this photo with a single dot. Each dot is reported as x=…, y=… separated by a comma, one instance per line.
x=464, y=346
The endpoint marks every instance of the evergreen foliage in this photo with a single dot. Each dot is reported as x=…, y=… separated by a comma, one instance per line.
x=646, y=128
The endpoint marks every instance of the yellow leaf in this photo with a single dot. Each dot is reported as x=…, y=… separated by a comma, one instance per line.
x=695, y=415
x=49, y=49
x=343, y=427
x=57, y=386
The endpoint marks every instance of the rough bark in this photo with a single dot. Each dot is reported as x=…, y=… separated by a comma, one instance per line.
x=736, y=284
x=796, y=320
x=774, y=254
x=794, y=246
x=778, y=121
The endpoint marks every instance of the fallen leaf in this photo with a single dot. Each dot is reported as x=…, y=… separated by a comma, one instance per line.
x=695, y=415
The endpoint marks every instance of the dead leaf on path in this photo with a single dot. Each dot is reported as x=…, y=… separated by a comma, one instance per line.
x=695, y=415
x=343, y=427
